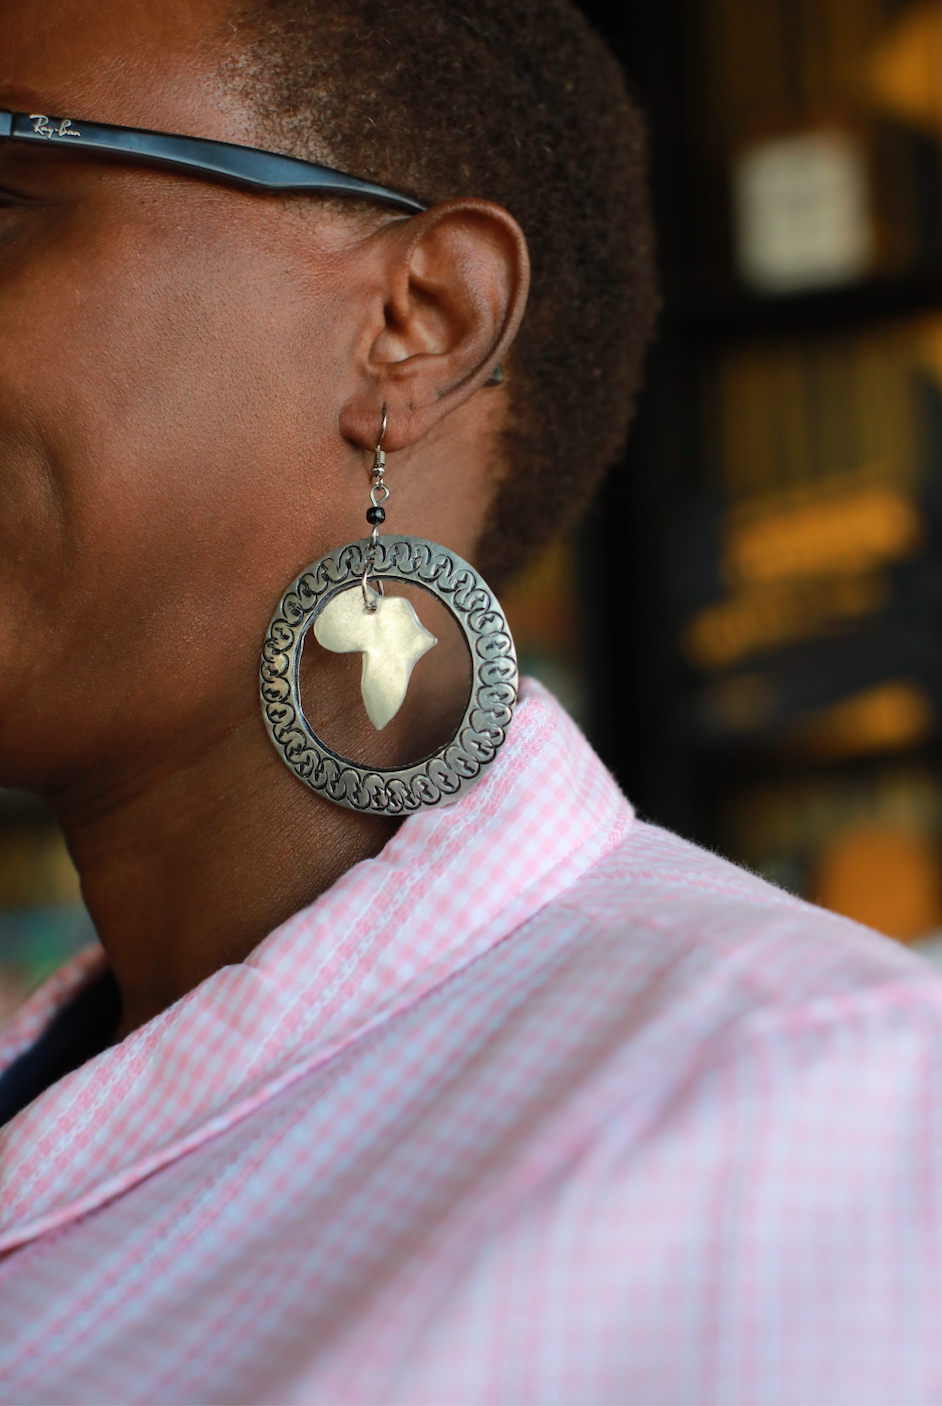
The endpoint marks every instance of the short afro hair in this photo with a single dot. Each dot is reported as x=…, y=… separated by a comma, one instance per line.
x=519, y=102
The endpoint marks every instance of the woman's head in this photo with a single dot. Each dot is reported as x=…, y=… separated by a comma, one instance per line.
x=190, y=375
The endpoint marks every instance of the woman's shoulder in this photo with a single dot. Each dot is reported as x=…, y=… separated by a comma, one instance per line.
x=657, y=901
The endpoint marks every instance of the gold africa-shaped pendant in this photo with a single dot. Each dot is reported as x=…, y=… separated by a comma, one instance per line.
x=389, y=635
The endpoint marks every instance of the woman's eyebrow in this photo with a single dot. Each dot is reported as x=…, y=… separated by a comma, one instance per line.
x=10, y=192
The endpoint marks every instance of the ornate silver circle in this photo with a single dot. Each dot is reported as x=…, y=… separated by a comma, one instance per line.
x=447, y=773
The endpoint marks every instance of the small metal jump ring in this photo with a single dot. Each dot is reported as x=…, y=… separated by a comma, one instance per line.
x=368, y=566
x=378, y=589
x=364, y=586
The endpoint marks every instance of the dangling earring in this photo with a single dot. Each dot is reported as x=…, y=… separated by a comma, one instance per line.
x=342, y=598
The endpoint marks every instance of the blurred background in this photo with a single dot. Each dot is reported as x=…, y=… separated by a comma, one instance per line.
x=42, y=920
x=749, y=627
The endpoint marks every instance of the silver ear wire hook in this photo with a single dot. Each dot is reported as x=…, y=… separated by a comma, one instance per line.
x=376, y=514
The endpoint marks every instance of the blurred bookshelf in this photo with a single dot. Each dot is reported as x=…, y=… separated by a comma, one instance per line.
x=545, y=616
x=759, y=588
x=42, y=920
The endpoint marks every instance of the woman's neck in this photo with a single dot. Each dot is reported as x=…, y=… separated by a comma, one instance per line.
x=187, y=867
x=190, y=872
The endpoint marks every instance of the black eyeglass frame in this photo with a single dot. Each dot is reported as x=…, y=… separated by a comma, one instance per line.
x=246, y=166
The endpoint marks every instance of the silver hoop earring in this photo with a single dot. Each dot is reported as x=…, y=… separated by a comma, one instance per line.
x=342, y=598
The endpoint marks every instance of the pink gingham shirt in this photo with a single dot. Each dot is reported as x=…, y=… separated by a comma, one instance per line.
x=541, y=1105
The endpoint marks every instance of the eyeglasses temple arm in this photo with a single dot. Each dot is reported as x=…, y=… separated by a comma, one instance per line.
x=242, y=165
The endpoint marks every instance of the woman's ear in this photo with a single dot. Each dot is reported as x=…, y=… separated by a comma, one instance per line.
x=454, y=288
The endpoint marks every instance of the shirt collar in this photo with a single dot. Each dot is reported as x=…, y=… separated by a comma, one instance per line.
x=450, y=885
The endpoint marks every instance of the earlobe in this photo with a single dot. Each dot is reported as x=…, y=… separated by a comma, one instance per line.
x=456, y=281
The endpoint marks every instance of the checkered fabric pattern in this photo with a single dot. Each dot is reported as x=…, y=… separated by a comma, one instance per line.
x=541, y=1105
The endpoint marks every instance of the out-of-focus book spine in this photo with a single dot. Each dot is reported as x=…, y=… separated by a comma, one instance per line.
x=42, y=919
x=808, y=110
x=543, y=612
x=821, y=578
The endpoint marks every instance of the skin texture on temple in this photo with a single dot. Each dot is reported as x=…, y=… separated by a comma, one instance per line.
x=191, y=380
